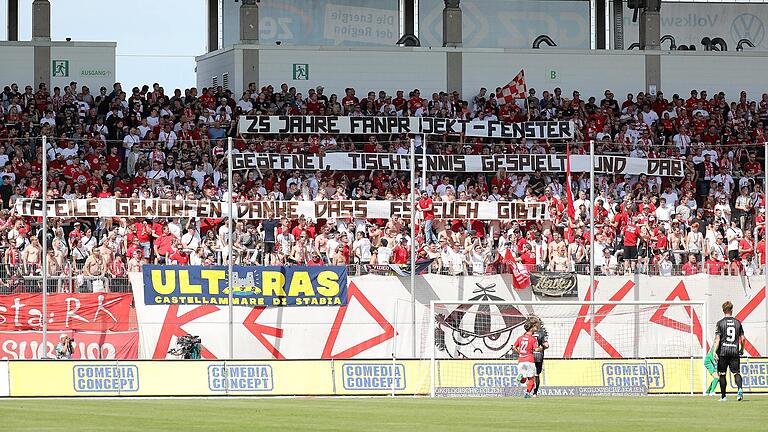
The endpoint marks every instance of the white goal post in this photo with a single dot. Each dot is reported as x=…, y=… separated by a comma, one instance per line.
x=658, y=345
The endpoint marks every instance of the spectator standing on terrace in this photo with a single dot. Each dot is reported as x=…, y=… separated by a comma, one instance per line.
x=712, y=139
x=268, y=231
x=427, y=208
x=691, y=267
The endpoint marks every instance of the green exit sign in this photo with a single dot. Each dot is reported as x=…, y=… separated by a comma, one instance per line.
x=300, y=71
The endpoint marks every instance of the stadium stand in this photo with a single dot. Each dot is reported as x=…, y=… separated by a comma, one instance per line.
x=145, y=143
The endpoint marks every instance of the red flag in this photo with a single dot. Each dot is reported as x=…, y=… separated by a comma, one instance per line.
x=521, y=277
x=568, y=191
x=514, y=90
x=507, y=258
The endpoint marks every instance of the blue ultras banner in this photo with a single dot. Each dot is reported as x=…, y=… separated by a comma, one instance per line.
x=252, y=286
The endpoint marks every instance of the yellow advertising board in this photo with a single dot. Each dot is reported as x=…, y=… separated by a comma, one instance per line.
x=376, y=377
x=350, y=377
x=170, y=378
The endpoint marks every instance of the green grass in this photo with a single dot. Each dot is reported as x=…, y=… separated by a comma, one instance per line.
x=657, y=414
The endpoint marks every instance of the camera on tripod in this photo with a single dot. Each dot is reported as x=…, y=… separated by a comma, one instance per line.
x=187, y=347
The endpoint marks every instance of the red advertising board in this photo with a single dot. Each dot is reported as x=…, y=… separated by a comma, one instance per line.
x=91, y=312
x=19, y=345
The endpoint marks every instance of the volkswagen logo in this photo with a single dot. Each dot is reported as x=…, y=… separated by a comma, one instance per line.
x=748, y=26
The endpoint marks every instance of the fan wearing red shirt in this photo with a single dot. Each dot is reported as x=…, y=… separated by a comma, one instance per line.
x=178, y=255
x=349, y=100
x=163, y=245
x=400, y=252
x=713, y=266
x=528, y=258
x=631, y=235
x=760, y=249
x=428, y=210
x=525, y=346
x=752, y=167
x=691, y=267
x=746, y=247
x=113, y=161
x=143, y=233
x=415, y=101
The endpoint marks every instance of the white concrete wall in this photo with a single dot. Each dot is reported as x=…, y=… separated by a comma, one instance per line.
x=728, y=72
x=364, y=69
x=216, y=64
x=590, y=72
x=16, y=65
x=89, y=64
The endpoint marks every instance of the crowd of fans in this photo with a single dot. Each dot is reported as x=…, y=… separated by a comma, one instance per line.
x=146, y=143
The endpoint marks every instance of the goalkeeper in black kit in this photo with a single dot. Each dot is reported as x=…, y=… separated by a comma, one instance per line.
x=538, y=356
x=729, y=345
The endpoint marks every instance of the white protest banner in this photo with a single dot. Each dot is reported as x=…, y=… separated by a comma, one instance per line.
x=514, y=163
x=288, y=125
x=250, y=210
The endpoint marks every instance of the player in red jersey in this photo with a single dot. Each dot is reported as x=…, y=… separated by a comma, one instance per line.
x=525, y=346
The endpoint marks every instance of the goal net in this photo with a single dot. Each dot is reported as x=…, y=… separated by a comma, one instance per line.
x=595, y=348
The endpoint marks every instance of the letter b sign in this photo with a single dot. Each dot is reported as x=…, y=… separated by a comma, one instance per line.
x=553, y=75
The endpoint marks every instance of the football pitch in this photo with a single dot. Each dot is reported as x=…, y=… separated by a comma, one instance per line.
x=593, y=414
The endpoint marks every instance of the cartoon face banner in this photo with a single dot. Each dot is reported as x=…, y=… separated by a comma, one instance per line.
x=513, y=163
x=377, y=308
x=288, y=125
x=253, y=210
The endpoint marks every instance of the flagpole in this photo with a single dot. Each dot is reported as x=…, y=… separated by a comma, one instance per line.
x=413, y=241
x=44, y=260
x=423, y=162
x=592, y=241
x=230, y=245
x=765, y=232
x=525, y=95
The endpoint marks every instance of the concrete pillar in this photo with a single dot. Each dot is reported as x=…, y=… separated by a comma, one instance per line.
x=13, y=20
x=409, y=15
x=249, y=22
x=250, y=68
x=41, y=36
x=653, y=72
x=454, y=80
x=213, y=25
x=650, y=30
x=600, y=41
x=650, y=33
x=41, y=20
x=452, y=36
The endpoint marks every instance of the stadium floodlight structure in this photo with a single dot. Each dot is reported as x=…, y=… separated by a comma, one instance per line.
x=472, y=355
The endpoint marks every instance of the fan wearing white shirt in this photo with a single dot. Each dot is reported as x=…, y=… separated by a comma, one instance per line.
x=131, y=140
x=664, y=211
x=167, y=136
x=362, y=248
x=670, y=197
x=156, y=173
x=143, y=128
x=245, y=103
x=384, y=252
x=442, y=188
x=649, y=116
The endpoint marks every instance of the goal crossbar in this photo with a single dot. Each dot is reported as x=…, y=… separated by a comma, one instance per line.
x=572, y=303
x=701, y=303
